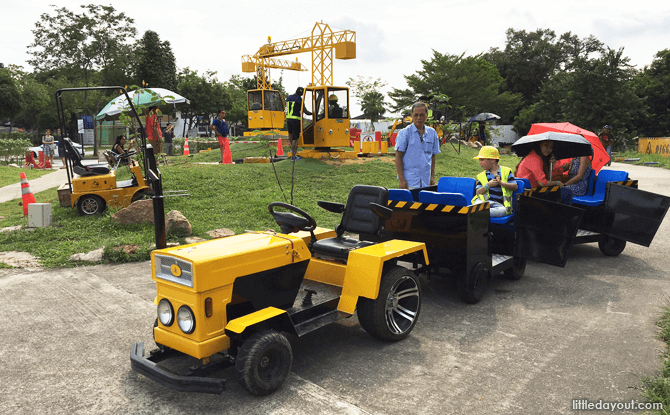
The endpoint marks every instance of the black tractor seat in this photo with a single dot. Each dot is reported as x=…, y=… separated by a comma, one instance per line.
x=357, y=218
x=78, y=167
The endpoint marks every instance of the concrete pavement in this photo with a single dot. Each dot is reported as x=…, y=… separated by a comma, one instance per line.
x=586, y=331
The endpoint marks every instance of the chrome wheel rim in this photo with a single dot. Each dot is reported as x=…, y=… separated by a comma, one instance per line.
x=402, y=305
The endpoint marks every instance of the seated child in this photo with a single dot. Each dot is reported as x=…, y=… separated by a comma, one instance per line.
x=495, y=184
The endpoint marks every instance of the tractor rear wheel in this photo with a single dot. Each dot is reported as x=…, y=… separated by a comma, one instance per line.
x=394, y=313
x=263, y=362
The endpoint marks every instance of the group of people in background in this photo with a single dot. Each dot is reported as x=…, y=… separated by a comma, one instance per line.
x=418, y=144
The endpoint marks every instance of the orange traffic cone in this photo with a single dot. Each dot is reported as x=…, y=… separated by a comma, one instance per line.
x=26, y=194
x=40, y=163
x=227, y=156
x=280, y=147
x=187, y=152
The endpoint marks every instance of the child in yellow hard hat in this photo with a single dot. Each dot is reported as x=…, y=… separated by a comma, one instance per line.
x=495, y=184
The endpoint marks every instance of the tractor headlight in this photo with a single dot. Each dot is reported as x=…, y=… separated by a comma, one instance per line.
x=165, y=312
x=186, y=319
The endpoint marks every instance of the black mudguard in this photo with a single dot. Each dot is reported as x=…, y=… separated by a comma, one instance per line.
x=545, y=230
x=632, y=214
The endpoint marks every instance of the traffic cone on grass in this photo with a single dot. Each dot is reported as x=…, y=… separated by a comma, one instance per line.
x=280, y=147
x=227, y=156
x=26, y=194
x=187, y=152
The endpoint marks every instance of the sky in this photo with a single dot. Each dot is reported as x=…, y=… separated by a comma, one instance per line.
x=392, y=36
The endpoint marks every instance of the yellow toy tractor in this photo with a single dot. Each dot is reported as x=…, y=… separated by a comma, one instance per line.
x=227, y=302
x=91, y=188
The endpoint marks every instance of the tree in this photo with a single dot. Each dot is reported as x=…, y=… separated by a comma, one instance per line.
x=206, y=95
x=594, y=93
x=369, y=98
x=472, y=84
x=10, y=97
x=653, y=86
x=531, y=58
x=94, y=40
x=155, y=62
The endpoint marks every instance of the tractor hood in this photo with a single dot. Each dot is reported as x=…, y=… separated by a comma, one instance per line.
x=210, y=264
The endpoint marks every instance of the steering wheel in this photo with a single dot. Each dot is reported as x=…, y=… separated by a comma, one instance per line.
x=127, y=154
x=289, y=222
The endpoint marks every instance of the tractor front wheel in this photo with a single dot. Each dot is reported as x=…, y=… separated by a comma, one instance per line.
x=263, y=362
x=394, y=313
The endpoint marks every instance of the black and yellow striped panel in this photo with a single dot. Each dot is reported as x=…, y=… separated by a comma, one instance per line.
x=629, y=183
x=432, y=207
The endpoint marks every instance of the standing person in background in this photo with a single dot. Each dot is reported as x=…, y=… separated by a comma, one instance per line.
x=154, y=133
x=607, y=139
x=168, y=135
x=415, y=150
x=220, y=127
x=294, y=111
x=49, y=146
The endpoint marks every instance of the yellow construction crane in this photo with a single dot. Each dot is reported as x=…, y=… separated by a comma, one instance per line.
x=328, y=126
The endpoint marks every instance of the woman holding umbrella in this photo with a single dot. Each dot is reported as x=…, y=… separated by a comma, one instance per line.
x=536, y=167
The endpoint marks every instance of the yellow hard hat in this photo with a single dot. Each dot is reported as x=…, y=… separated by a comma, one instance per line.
x=488, y=152
x=333, y=97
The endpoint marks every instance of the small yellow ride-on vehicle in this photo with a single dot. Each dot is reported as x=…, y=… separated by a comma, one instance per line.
x=91, y=188
x=227, y=302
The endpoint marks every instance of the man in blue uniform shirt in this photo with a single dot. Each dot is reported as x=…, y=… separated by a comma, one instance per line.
x=415, y=150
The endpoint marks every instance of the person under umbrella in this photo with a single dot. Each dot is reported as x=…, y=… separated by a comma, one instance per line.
x=536, y=167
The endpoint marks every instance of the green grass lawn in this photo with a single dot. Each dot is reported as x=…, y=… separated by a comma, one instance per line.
x=12, y=175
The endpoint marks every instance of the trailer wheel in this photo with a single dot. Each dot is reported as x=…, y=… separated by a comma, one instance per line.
x=263, y=362
x=471, y=288
x=90, y=205
x=394, y=313
x=516, y=272
x=611, y=246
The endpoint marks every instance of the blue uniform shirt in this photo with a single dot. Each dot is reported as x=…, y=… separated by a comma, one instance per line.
x=418, y=155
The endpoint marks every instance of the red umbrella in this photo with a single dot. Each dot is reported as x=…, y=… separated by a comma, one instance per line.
x=600, y=157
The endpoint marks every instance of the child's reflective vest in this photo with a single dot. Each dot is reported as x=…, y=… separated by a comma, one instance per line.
x=507, y=194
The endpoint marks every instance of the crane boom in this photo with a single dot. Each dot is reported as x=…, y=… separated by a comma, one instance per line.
x=321, y=43
x=262, y=66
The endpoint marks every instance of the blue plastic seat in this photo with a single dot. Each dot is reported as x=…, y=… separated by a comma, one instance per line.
x=521, y=186
x=462, y=185
x=440, y=198
x=400, y=195
x=598, y=197
x=525, y=181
